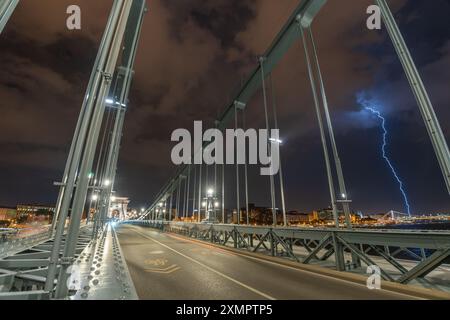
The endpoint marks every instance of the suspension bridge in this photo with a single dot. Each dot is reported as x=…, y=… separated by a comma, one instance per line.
x=187, y=244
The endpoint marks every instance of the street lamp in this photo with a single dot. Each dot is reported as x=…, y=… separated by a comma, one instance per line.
x=278, y=141
x=210, y=204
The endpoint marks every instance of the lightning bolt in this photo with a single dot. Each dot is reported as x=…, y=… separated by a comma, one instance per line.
x=367, y=106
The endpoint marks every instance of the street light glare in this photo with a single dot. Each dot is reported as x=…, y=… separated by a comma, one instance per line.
x=276, y=140
x=107, y=183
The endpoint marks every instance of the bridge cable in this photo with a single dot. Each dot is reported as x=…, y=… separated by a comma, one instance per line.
x=272, y=182
x=276, y=127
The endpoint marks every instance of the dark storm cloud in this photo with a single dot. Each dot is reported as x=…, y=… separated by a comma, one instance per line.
x=70, y=56
x=224, y=19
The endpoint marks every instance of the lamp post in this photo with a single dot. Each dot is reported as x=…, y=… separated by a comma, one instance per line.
x=160, y=211
x=210, y=205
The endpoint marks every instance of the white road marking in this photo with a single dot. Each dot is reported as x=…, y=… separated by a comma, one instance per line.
x=293, y=268
x=156, y=252
x=287, y=267
x=209, y=268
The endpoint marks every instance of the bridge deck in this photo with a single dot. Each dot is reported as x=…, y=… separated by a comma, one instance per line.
x=165, y=266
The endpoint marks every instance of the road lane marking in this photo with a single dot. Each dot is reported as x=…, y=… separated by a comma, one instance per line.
x=156, y=262
x=207, y=245
x=208, y=268
x=224, y=250
x=156, y=252
x=167, y=270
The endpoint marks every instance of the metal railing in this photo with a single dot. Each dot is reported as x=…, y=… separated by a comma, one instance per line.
x=19, y=240
x=425, y=251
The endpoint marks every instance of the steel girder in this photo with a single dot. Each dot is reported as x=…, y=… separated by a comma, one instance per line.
x=103, y=271
x=426, y=266
x=426, y=108
x=23, y=273
x=14, y=246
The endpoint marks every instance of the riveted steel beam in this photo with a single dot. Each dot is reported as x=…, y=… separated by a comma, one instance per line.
x=7, y=8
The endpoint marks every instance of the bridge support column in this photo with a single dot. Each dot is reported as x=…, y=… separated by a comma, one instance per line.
x=89, y=151
x=321, y=126
x=343, y=195
x=122, y=85
x=280, y=173
x=273, y=244
x=170, y=206
x=426, y=108
x=262, y=61
x=339, y=253
x=337, y=160
x=84, y=165
x=70, y=175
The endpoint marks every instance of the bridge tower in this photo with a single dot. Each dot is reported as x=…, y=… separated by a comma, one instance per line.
x=107, y=93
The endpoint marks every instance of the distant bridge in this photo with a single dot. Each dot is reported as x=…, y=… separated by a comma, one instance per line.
x=394, y=215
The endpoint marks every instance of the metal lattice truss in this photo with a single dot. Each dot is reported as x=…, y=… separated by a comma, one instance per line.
x=23, y=273
x=330, y=247
x=100, y=271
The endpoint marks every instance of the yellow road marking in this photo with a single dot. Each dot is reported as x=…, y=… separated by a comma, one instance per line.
x=209, y=268
x=168, y=270
x=156, y=252
x=156, y=262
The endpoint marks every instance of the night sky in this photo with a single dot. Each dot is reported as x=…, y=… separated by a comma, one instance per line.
x=193, y=55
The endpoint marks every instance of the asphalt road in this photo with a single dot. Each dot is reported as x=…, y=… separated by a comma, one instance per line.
x=167, y=267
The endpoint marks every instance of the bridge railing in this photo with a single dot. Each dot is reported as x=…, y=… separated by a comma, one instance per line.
x=98, y=273
x=20, y=240
x=402, y=255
